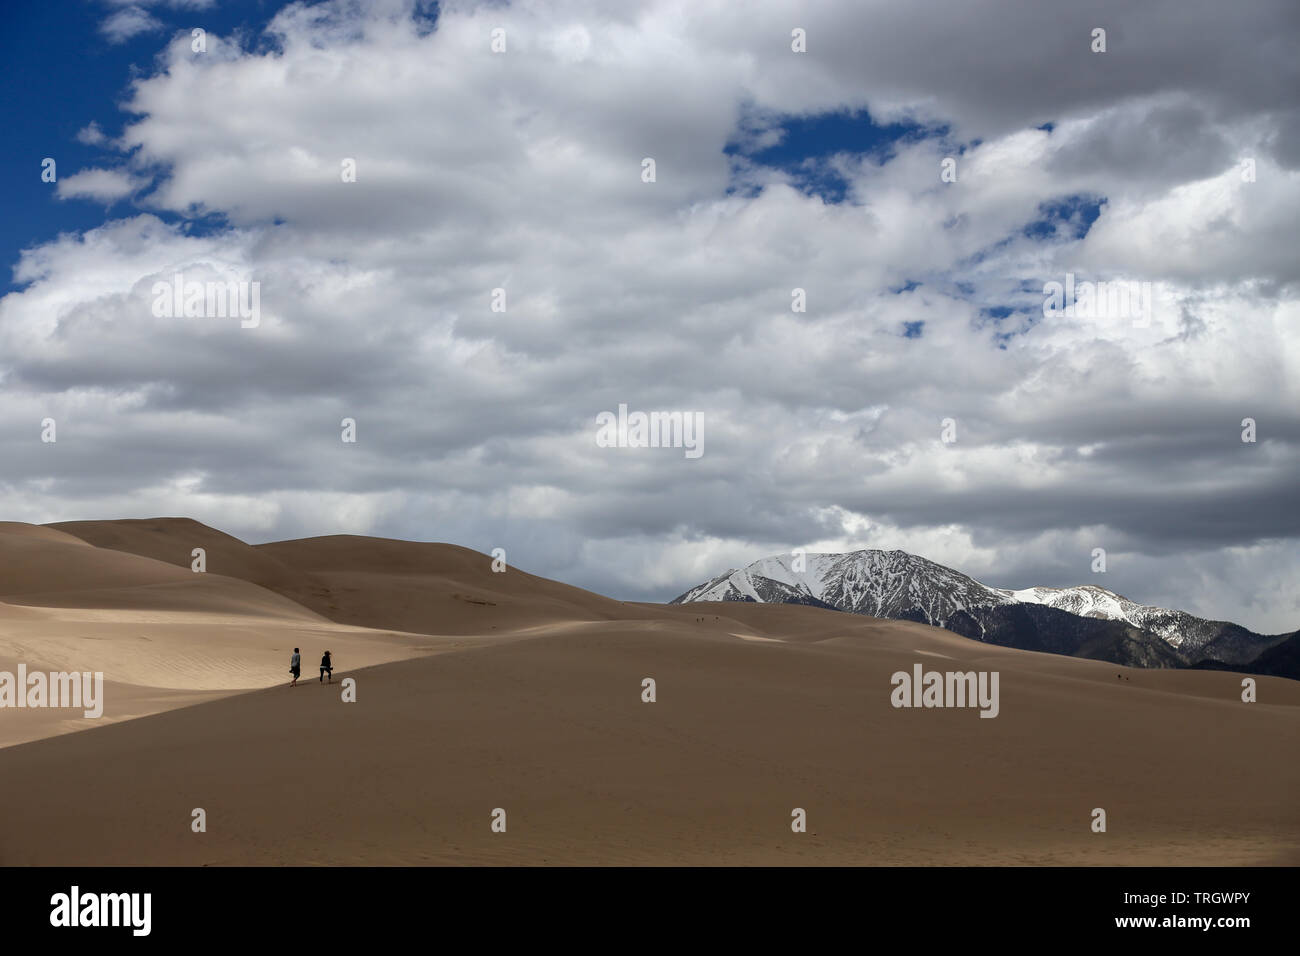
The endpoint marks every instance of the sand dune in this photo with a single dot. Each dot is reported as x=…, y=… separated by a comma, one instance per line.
x=172, y=541
x=47, y=568
x=411, y=586
x=553, y=730
x=506, y=690
x=162, y=635
x=39, y=532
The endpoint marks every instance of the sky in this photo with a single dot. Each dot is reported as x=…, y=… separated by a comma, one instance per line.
x=501, y=270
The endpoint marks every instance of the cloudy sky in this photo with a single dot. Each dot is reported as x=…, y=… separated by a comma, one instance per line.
x=1171, y=159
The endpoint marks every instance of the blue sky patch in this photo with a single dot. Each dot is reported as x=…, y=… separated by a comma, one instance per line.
x=1071, y=216
x=62, y=95
x=804, y=146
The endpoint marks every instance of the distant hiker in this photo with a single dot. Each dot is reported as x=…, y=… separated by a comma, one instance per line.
x=295, y=666
x=326, y=668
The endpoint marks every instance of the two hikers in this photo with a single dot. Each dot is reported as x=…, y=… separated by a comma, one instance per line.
x=295, y=667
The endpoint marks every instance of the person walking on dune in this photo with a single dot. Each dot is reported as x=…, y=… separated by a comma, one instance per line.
x=295, y=666
x=326, y=668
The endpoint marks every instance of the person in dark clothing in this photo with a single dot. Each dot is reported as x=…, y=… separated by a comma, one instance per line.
x=326, y=667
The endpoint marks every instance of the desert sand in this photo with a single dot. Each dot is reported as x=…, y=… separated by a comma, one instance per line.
x=478, y=690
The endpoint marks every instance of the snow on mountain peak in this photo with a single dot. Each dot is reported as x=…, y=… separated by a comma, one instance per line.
x=898, y=585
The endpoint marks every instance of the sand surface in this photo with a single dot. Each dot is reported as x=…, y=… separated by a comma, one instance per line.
x=478, y=691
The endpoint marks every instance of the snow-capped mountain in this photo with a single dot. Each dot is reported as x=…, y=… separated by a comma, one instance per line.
x=1180, y=630
x=1086, y=621
x=878, y=583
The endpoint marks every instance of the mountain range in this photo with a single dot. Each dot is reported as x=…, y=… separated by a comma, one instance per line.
x=1085, y=621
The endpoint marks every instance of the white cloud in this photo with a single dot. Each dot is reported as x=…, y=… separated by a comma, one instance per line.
x=522, y=170
x=128, y=22
x=101, y=185
x=91, y=135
